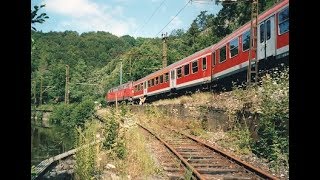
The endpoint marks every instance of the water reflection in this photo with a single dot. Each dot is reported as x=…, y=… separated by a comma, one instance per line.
x=48, y=142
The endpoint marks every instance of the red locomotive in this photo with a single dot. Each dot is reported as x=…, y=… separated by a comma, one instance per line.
x=227, y=60
x=123, y=92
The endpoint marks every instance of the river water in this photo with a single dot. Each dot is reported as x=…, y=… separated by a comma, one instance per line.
x=48, y=142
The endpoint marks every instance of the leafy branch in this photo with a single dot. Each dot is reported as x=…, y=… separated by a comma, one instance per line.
x=35, y=18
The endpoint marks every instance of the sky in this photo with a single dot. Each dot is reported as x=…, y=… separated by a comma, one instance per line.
x=137, y=18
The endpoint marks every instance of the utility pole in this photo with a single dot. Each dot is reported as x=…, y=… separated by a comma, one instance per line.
x=121, y=72
x=164, y=49
x=130, y=70
x=35, y=91
x=252, y=72
x=66, y=94
x=253, y=60
x=41, y=80
x=116, y=102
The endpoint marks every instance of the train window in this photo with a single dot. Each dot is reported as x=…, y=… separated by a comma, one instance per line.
x=246, y=41
x=152, y=82
x=204, y=63
x=149, y=83
x=234, y=47
x=213, y=57
x=283, y=20
x=186, y=69
x=161, y=79
x=145, y=85
x=195, y=66
x=141, y=86
x=157, y=80
x=166, y=77
x=262, y=33
x=172, y=74
x=223, y=54
x=268, y=29
x=179, y=72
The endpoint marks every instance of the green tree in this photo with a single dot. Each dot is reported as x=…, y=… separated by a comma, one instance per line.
x=35, y=18
x=56, y=77
x=177, y=33
x=193, y=32
x=201, y=20
x=82, y=112
x=78, y=81
x=61, y=116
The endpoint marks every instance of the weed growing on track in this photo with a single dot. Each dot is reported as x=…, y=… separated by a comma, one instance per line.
x=138, y=162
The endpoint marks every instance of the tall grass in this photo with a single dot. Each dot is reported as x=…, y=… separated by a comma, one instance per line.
x=139, y=162
x=274, y=119
x=85, y=167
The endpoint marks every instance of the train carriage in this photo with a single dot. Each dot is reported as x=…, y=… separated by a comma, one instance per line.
x=222, y=62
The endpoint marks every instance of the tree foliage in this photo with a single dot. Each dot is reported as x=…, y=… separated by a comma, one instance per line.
x=37, y=18
x=72, y=115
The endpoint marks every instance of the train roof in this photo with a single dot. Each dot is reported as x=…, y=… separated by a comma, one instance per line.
x=125, y=85
x=184, y=60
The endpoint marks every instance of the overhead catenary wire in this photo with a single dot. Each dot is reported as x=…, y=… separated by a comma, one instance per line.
x=154, y=12
x=174, y=17
x=202, y=2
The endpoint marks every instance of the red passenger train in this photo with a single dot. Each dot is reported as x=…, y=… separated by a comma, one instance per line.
x=222, y=62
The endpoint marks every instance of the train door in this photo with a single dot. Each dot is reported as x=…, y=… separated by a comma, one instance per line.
x=173, y=78
x=266, y=38
x=213, y=64
x=145, y=88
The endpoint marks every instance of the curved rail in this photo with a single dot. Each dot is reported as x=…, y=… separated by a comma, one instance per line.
x=229, y=156
x=202, y=157
x=194, y=171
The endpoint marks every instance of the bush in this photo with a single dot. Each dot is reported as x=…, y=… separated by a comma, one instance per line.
x=72, y=115
x=241, y=138
x=112, y=132
x=82, y=112
x=61, y=115
x=273, y=131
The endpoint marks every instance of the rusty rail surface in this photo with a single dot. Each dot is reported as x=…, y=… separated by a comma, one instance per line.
x=231, y=157
x=194, y=171
x=206, y=161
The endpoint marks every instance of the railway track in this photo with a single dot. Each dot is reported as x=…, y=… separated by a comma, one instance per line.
x=203, y=161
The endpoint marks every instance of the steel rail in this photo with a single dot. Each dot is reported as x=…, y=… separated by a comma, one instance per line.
x=189, y=166
x=231, y=157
